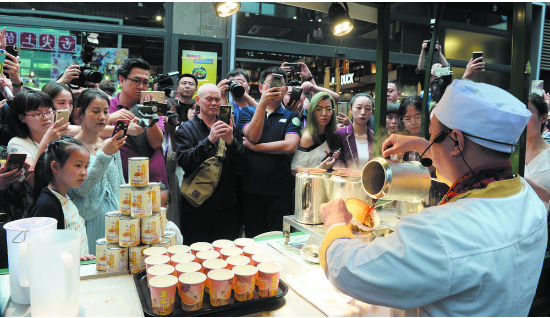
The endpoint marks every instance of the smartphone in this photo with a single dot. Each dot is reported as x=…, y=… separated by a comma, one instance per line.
x=276, y=80
x=13, y=50
x=537, y=86
x=121, y=124
x=330, y=154
x=15, y=161
x=158, y=96
x=475, y=55
x=225, y=114
x=343, y=107
x=62, y=113
x=294, y=67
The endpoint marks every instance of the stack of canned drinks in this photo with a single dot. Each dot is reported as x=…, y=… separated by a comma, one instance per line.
x=138, y=224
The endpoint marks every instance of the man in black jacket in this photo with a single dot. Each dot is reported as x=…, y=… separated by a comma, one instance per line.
x=197, y=140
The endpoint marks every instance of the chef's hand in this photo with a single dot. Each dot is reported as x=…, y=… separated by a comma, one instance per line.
x=397, y=144
x=87, y=257
x=335, y=212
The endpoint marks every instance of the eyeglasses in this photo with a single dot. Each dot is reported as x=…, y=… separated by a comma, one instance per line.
x=321, y=110
x=137, y=83
x=409, y=120
x=41, y=115
x=191, y=84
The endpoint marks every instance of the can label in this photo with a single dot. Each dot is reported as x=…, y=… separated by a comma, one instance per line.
x=141, y=202
x=150, y=229
x=117, y=258
x=125, y=199
x=138, y=170
x=101, y=254
x=165, y=242
x=171, y=235
x=111, y=226
x=155, y=196
x=162, y=220
x=129, y=232
x=136, y=258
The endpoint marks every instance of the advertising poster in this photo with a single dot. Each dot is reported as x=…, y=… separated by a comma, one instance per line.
x=203, y=65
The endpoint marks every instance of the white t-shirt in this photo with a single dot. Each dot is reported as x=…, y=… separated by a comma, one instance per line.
x=538, y=169
x=23, y=145
x=362, y=152
x=309, y=159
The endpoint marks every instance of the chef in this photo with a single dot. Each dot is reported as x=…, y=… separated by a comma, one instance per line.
x=480, y=251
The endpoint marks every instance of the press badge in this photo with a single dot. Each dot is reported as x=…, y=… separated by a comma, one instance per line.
x=282, y=120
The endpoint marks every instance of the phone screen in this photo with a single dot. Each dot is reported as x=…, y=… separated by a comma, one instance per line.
x=343, y=107
x=475, y=55
x=121, y=124
x=276, y=80
x=225, y=114
x=15, y=161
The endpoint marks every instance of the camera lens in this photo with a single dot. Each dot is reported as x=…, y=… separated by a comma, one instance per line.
x=236, y=89
x=92, y=76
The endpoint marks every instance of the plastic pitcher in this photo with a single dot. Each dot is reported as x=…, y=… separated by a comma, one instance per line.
x=17, y=234
x=54, y=272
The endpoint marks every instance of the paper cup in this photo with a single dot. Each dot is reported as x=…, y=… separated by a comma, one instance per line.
x=262, y=258
x=204, y=255
x=189, y=267
x=268, y=279
x=252, y=250
x=200, y=246
x=222, y=281
x=236, y=260
x=178, y=249
x=230, y=251
x=156, y=260
x=182, y=258
x=212, y=264
x=243, y=241
x=244, y=281
x=159, y=270
x=191, y=290
x=163, y=294
x=150, y=251
x=219, y=244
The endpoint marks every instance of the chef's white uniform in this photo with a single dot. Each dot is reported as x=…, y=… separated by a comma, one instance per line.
x=479, y=255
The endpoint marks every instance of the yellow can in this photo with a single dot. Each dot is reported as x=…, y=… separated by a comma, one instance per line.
x=141, y=202
x=171, y=235
x=162, y=220
x=150, y=229
x=111, y=226
x=117, y=258
x=165, y=242
x=101, y=254
x=138, y=171
x=155, y=196
x=125, y=199
x=136, y=258
x=129, y=231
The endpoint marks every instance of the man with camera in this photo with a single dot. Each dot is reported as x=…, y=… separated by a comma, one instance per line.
x=133, y=76
x=441, y=74
x=237, y=83
x=271, y=135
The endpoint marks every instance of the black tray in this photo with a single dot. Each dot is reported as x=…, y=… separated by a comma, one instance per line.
x=140, y=279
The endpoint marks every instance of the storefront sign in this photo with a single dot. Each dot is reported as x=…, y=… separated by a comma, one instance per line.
x=28, y=40
x=47, y=42
x=11, y=38
x=204, y=65
x=66, y=43
x=345, y=79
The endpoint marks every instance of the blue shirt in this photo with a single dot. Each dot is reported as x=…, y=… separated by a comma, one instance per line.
x=269, y=174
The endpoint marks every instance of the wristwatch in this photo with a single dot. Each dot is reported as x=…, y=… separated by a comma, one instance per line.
x=17, y=85
x=308, y=79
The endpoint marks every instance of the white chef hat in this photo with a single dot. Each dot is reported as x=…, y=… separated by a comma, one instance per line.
x=486, y=114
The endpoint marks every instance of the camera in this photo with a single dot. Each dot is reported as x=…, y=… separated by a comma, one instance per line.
x=443, y=71
x=86, y=71
x=428, y=47
x=173, y=119
x=236, y=89
x=165, y=81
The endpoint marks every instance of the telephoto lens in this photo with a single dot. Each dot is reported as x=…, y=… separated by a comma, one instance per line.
x=236, y=89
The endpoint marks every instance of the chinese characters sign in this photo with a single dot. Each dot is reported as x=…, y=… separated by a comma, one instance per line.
x=42, y=41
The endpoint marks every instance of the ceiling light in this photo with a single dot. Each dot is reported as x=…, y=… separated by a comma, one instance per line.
x=339, y=19
x=159, y=18
x=319, y=20
x=226, y=9
x=295, y=17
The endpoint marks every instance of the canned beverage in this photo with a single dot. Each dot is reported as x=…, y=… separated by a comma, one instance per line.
x=117, y=258
x=164, y=242
x=141, y=202
x=129, y=232
x=125, y=199
x=150, y=229
x=101, y=254
x=136, y=258
x=111, y=226
x=138, y=171
x=162, y=220
x=155, y=196
x=171, y=235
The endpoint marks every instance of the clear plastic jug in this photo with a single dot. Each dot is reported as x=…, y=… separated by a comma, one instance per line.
x=17, y=234
x=54, y=273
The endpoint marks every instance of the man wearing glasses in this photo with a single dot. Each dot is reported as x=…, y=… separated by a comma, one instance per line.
x=133, y=76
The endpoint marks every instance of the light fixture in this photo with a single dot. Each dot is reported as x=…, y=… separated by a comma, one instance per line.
x=339, y=19
x=159, y=18
x=295, y=17
x=319, y=20
x=226, y=9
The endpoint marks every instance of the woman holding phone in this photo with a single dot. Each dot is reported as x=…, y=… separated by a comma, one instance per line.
x=62, y=96
x=317, y=135
x=99, y=192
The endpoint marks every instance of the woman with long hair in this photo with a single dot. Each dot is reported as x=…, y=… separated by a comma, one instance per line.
x=62, y=96
x=317, y=135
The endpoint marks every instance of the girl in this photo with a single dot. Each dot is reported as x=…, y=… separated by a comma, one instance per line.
x=99, y=193
x=355, y=141
x=62, y=96
x=317, y=135
x=61, y=167
x=410, y=120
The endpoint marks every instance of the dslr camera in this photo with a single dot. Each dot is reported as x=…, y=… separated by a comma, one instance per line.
x=236, y=89
x=86, y=71
x=165, y=81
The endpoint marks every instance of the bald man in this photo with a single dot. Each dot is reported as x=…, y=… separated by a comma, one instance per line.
x=195, y=141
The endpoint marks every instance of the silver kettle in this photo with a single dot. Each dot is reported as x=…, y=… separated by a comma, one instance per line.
x=309, y=195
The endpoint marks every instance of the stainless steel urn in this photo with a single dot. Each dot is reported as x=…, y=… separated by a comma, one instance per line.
x=309, y=195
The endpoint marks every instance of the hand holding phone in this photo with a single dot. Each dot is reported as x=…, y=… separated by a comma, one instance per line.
x=62, y=113
x=330, y=154
x=276, y=80
x=475, y=55
x=15, y=161
x=225, y=114
x=121, y=124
